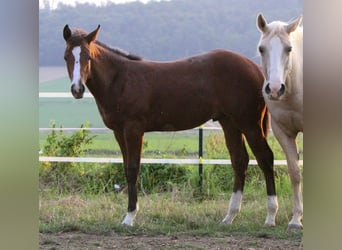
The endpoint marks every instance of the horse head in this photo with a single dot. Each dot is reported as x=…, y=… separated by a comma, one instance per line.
x=78, y=57
x=276, y=49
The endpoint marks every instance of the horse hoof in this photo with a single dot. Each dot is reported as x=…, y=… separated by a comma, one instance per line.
x=294, y=227
x=126, y=223
x=227, y=221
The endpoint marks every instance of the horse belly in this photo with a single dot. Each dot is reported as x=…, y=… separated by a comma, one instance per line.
x=179, y=118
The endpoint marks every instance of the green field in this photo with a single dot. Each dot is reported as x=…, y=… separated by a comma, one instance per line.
x=68, y=112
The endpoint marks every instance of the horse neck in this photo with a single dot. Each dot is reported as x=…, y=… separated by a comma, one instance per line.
x=105, y=67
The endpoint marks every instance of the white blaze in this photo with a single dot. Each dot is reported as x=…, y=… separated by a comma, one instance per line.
x=276, y=71
x=76, y=76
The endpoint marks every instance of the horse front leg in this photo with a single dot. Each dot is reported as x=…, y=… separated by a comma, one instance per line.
x=239, y=157
x=130, y=144
x=289, y=146
x=265, y=159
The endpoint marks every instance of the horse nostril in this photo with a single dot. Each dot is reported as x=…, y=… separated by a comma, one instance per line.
x=268, y=89
x=282, y=90
x=81, y=88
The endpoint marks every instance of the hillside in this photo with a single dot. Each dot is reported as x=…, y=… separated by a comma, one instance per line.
x=164, y=30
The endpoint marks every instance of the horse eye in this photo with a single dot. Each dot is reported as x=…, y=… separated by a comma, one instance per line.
x=261, y=49
x=288, y=49
x=65, y=58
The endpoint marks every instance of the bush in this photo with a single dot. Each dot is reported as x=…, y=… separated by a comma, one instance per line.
x=162, y=177
x=64, y=176
x=98, y=178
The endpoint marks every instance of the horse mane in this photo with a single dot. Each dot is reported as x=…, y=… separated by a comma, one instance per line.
x=79, y=34
x=120, y=52
x=297, y=35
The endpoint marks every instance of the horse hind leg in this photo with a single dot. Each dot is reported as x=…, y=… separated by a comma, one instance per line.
x=265, y=159
x=239, y=158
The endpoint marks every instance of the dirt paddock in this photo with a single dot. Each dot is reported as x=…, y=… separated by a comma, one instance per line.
x=86, y=241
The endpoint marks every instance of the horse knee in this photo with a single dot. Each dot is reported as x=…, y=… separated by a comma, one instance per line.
x=266, y=159
x=132, y=174
x=240, y=162
x=295, y=174
x=268, y=155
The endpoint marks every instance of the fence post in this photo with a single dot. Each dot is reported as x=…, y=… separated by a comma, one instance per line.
x=200, y=155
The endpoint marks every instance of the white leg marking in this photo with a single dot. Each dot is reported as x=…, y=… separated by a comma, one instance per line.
x=295, y=222
x=130, y=216
x=234, y=207
x=272, y=208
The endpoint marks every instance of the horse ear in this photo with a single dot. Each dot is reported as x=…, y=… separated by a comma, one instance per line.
x=66, y=32
x=293, y=25
x=261, y=22
x=92, y=35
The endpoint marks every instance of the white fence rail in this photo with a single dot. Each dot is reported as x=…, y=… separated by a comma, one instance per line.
x=152, y=160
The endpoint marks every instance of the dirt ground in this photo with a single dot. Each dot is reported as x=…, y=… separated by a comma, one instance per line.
x=86, y=241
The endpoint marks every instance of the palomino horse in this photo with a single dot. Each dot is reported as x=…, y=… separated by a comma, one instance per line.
x=281, y=49
x=136, y=96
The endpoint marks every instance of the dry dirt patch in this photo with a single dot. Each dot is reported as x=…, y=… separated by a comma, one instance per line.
x=86, y=241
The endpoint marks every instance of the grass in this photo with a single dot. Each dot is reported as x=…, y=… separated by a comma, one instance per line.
x=181, y=210
x=173, y=213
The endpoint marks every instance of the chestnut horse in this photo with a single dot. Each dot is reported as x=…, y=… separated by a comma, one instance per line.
x=281, y=49
x=136, y=96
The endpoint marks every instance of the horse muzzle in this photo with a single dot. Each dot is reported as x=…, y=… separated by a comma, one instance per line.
x=275, y=92
x=77, y=90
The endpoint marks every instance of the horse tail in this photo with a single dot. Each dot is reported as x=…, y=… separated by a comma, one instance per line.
x=266, y=122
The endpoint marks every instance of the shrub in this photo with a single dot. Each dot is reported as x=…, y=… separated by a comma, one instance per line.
x=64, y=176
x=98, y=178
x=162, y=177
